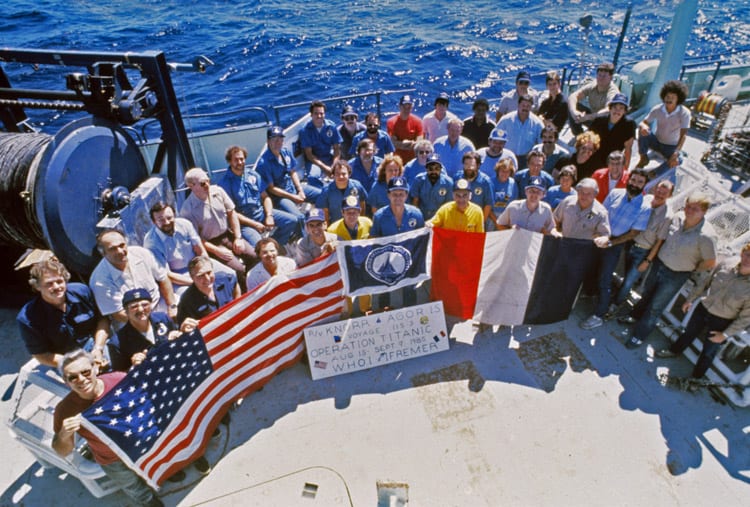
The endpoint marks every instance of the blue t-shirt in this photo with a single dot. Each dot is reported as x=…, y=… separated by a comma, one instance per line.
x=384, y=222
x=360, y=174
x=503, y=193
x=555, y=195
x=377, y=197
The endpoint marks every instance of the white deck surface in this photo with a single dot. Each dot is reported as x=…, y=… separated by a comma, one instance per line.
x=549, y=416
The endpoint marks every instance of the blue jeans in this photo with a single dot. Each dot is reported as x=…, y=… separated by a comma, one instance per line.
x=665, y=285
x=650, y=141
x=633, y=259
x=131, y=484
x=608, y=263
x=287, y=224
x=250, y=234
x=700, y=325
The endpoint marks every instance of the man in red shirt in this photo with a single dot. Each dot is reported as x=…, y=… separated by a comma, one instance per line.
x=405, y=129
x=611, y=177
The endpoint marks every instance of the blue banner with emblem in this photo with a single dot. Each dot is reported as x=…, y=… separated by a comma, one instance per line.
x=373, y=266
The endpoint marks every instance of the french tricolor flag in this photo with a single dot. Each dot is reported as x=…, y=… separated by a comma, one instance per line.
x=508, y=277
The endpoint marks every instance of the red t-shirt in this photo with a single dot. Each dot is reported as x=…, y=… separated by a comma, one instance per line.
x=411, y=128
x=73, y=404
x=602, y=179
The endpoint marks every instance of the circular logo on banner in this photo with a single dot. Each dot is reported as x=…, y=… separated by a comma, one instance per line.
x=388, y=264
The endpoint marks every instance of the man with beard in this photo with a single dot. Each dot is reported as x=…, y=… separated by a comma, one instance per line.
x=495, y=152
x=383, y=143
x=350, y=126
x=480, y=185
x=174, y=242
x=253, y=206
x=552, y=151
x=432, y=188
x=628, y=217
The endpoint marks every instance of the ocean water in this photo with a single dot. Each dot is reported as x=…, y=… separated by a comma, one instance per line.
x=273, y=52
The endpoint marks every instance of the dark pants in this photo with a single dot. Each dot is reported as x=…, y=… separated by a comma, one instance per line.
x=700, y=325
x=608, y=263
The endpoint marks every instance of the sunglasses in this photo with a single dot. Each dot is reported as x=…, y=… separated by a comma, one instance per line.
x=423, y=152
x=74, y=376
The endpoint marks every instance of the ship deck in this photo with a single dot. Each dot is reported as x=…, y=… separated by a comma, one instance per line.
x=549, y=415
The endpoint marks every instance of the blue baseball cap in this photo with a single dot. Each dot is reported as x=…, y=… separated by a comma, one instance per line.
x=462, y=184
x=406, y=99
x=398, y=183
x=523, y=76
x=499, y=135
x=619, y=98
x=434, y=158
x=536, y=182
x=275, y=131
x=349, y=111
x=444, y=97
x=315, y=215
x=134, y=295
x=351, y=202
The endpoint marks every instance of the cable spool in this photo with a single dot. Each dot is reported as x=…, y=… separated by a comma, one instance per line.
x=51, y=187
x=710, y=103
x=19, y=160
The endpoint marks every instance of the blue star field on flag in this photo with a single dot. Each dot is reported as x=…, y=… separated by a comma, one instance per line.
x=142, y=405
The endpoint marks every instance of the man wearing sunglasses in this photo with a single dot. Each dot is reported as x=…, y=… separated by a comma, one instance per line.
x=383, y=143
x=80, y=374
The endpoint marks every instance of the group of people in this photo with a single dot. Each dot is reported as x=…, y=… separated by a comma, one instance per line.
x=359, y=182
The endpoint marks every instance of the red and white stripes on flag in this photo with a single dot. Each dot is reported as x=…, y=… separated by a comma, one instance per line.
x=248, y=341
x=508, y=277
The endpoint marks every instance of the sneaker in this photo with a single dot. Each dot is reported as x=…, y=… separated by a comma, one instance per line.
x=201, y=464
x=626, y=319
x=178, y=476
x=592, y=322
x=633, y=343
x=665, y=353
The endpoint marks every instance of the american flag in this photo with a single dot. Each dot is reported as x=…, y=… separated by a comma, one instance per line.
x=161, y=415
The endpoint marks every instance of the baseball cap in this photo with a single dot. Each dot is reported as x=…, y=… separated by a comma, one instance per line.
x=536, y=182
x=134, y=295
x=351, y=202
x=498, y=135
x=315, y=215
x=444, y=97
x=406, y=99
x=523, y=76
x=619, y=98
x=349, y=111
x=434, y=158
x=275, y=131
x=461, y=184
x=398, y=183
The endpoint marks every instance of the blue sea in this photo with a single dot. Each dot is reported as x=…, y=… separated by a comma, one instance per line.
x=273, y=52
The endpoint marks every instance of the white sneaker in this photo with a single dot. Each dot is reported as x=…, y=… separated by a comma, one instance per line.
x=592, y=322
